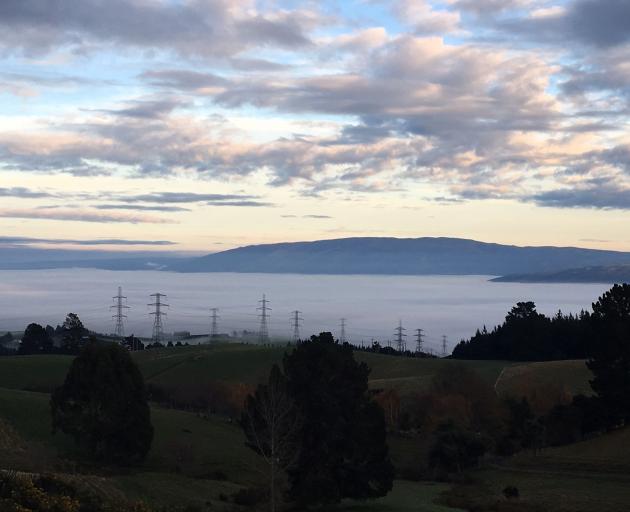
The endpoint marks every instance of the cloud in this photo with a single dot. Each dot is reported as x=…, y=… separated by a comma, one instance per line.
x=24, y=193
x=21, y=240
x=80, y=216
x=194, y=28
x=597, y=197
x=595, y=23
x=183, y=197
x=425, y=19
x=311, y=216
x=254, y=204
x=138, y=207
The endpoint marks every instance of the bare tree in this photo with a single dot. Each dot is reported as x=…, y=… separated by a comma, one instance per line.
x=272, y=425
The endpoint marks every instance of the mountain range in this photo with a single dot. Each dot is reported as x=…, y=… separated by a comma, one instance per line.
x=384, y=256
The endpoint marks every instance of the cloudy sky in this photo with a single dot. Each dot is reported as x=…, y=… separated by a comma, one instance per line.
x=207, y=124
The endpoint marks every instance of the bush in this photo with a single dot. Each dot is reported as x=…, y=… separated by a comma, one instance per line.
x=103, y=405
x=250, y=497
x=511, y=492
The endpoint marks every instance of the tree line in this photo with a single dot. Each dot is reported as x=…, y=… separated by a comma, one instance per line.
x=527, y=335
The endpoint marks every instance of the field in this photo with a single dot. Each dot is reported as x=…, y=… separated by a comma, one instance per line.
x=572, y=376
x=249, y=364
x=207, y=457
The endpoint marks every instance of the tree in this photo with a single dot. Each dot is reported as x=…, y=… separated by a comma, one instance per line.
x=73, y=330
x=344, y=453
x=455, y=448
x=610, y=352
x=272, y=426
x=103, y=405
x=35, y=340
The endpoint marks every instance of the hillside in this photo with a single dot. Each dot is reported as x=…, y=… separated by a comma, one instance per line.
x=184, y=367
x=594, y=274
x=197, y=459
x=410, y=256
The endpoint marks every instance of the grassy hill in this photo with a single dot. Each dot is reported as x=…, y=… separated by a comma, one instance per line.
x=249, y=364
x=193, y=460
x=573, y=375
x=207, y=457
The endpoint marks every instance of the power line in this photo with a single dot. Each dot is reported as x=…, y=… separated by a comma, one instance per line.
x=296, y=319
x=214, y=329
x=158, y=326
x=119, y=305
x=401, y=344
x=264, y=329
x=419, y=340
x=342, y=336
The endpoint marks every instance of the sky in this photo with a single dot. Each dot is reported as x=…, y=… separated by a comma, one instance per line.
x=201, y=125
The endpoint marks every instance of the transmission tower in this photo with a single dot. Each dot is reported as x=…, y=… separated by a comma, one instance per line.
x=342, y=336
x=119, y=306
x=158, y=326
x=419, y=340
x=295, y=322
x=444, y=346
x=401, y=344
x=214, y=328
x=264, y=328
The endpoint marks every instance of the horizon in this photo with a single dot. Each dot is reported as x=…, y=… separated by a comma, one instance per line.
x=171, y=249
x=215, y=124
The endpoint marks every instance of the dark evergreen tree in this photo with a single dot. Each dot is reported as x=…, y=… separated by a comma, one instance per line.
x=103, y=405
x=72, y=330
x=527, y=335
x=344, y=453
x=35, y=340
x=610, y=357
x=456, y=449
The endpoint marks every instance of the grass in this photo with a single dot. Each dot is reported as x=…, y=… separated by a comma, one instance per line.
x=405, y=497
x=36, y=373
x=561, y=491
x=191, y=455
x=572, y=375
x=249, y=364
x=605, y=454
x=188, y=455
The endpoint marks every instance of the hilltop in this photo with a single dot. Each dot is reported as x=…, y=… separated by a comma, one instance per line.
x=398, y=256
x=369, y=256
x=594, y=274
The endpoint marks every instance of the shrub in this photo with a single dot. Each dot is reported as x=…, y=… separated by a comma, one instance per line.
x=103, y=405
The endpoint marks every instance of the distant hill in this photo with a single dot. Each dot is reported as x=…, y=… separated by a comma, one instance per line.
x=31, y=258
x=382, y=256
x=398, y=256
x=596, y=274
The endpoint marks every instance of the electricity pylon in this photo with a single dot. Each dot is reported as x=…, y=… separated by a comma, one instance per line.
x=119, y=306
x=263, y=335
x=342, y=336
x=401, y=344
x=214, y=327
x=158, y=326
x=444, y=346
x=419, y=340
x=296, y=319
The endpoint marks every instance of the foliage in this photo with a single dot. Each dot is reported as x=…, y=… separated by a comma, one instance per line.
x=610, y=358
x=47, y=493
x=272, y=425
x=456, y=449
x=527, y=335
x=103, y=405
x=343, y=447
x=35, y=340
x=73, y=330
